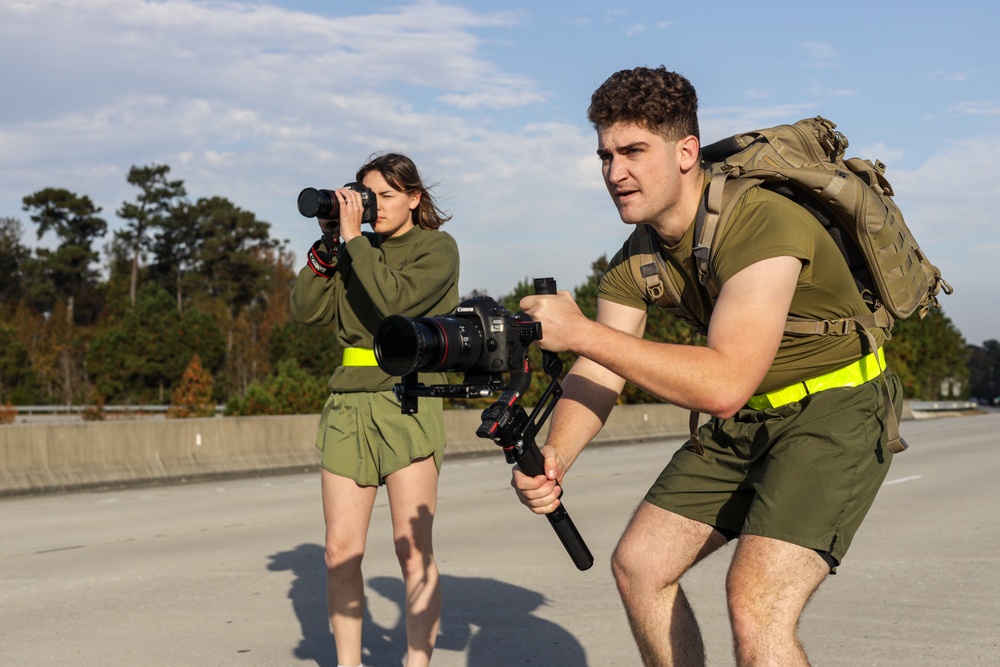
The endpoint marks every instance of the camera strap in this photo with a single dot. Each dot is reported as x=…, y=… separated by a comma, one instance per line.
x=322, y=262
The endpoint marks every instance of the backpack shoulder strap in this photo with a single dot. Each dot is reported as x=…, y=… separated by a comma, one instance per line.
x=650, y=274
x=646, y=265
x=713, y=214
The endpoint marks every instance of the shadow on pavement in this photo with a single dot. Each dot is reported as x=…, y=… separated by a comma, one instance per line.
x=491, y=622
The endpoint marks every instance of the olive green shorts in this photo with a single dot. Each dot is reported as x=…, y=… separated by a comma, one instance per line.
x=364, y=436
x=805, y=473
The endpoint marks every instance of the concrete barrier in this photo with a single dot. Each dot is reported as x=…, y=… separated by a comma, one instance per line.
x=63, y=456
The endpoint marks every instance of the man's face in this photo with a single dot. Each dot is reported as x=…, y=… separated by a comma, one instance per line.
x=641, y=172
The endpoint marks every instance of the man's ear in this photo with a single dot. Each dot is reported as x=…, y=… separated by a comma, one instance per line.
x=688, y=152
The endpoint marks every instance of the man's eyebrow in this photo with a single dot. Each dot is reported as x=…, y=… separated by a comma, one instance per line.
x=622, y=149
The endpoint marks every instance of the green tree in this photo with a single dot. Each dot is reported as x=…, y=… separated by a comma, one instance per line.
x=232, y=260
x=118, y=268
x=175, y=250
x=156, y=198
x=313, y=349
x=240, y=266
x=67, y=271
x=290, y=391
x=927, y=355
x=18, y=384
x=13, y=256
x=984, y=370
x=141, y=355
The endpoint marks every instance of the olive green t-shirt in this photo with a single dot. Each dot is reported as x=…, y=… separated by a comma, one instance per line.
x=415, y=275
x=765, y=225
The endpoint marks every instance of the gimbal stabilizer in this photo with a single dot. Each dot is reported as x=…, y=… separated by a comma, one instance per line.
x=509, y=425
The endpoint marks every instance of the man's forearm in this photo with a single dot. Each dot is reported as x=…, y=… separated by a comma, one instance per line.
x=579, y=415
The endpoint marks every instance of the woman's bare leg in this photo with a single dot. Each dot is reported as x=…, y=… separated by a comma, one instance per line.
x=347, y=509
x=413, y=502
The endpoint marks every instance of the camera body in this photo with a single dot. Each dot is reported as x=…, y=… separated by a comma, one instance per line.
x=324, y=204
x=480, y=337
x=485, y=340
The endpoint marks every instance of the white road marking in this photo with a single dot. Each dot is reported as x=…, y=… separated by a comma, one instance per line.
x=911, y=478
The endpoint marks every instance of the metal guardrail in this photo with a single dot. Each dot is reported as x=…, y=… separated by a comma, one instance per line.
x=76, y=409
x=937, y=406
x=26, y=410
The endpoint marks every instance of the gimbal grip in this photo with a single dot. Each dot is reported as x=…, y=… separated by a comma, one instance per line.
x=531, y=463
x=570, y=537
x=545, y=285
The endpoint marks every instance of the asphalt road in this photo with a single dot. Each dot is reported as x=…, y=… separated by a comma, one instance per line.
x=231, y=573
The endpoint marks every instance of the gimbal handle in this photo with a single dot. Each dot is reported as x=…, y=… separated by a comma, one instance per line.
x=507, y=423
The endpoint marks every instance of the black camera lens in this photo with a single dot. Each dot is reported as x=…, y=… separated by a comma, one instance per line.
x=315, y=203
x=427, y=344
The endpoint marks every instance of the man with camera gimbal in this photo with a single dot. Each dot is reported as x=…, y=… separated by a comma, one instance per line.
x=792, y=481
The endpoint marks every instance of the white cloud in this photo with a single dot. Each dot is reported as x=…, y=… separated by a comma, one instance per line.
x=819, y=53
x=253, y=103
x=635, y=29
x=985, y=108
x=952, y=196
x=950, y=76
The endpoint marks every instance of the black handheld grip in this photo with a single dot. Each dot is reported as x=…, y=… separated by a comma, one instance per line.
x=545, y=285
x=531, y=463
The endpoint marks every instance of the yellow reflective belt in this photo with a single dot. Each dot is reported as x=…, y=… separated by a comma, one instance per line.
x=359, y=356
x=861, y=371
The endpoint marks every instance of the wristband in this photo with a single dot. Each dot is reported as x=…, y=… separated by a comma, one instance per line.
x=322, y=262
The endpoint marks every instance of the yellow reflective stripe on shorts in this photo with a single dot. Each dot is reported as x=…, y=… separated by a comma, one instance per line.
x=861, y=371
x=359, y=356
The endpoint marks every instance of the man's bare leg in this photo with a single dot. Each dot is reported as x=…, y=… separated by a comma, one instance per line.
x=658, y=547
x=768, y=586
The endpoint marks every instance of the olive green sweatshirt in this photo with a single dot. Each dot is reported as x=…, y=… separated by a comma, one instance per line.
x=415, y=275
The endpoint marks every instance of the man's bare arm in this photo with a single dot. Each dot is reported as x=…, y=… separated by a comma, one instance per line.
x=589, y=393
x=717, y=379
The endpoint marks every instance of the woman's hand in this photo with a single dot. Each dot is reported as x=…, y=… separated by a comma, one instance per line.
x=351, y=210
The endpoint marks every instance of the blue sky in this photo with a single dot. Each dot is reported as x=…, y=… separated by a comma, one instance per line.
x=255, y=100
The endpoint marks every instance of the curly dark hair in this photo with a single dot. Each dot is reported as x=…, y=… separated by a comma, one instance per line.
x=661, y=101
x=400, y=172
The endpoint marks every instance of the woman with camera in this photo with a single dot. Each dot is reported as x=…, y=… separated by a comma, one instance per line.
x=406, y=267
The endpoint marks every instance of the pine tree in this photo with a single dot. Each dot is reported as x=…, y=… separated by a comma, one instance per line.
x=193, y=396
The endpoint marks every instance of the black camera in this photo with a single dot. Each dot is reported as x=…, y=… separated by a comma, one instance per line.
x=488, y=343
x=480, y=337
x=324, y=204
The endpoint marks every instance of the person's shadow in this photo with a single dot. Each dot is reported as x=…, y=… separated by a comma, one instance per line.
x=490, y=620
x=308, y=596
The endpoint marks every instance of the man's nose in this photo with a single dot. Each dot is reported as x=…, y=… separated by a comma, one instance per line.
x=615, y=171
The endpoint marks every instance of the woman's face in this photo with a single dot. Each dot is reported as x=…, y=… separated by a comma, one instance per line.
x=394, y=207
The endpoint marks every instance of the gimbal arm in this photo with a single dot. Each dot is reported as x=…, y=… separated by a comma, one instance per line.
x=507, y=424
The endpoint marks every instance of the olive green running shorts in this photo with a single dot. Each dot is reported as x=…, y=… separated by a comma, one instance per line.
x=364, y=436
x=805, y=473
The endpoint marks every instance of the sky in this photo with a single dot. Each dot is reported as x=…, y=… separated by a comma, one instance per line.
x=254, y=101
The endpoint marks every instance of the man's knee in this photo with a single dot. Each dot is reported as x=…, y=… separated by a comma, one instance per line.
x=658, y=547
x=769, y=584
